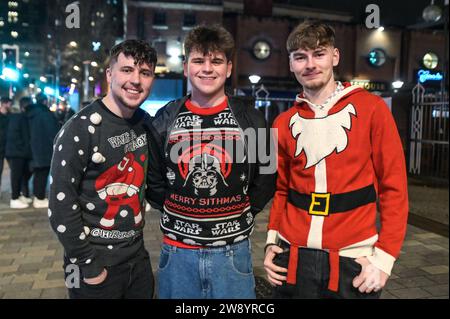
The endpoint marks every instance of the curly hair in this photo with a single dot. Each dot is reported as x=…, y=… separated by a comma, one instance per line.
x=139, y=50
x=207, y=39
x=310, y=35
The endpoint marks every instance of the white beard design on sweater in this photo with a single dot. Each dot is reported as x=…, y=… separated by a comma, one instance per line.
x=319, y=137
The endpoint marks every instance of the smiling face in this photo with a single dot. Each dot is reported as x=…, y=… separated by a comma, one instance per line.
x=207, y=74
x=130, y=84
x=313, y=69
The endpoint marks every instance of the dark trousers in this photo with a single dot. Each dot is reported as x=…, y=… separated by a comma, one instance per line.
x=2, y=158
x=40, y=181
x=25, y=189
x=313, y=274
x=19, y=169
x=130, y=280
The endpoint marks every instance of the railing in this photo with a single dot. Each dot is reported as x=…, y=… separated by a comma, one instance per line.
x=429, y=139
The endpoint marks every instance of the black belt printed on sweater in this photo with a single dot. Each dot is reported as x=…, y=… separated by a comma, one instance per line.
x=323, y=204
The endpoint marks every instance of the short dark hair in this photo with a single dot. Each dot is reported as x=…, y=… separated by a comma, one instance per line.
x=310, y=35
x=139, y=50
x=41, y=98
x=5, y=99
x=207, y=39
x=24, y=102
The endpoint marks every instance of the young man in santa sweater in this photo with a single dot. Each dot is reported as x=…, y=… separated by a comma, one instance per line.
x=98, y=176
x=205, y=176
x=339, y=153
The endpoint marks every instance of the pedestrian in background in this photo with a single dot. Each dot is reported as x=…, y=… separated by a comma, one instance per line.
x=18, y=153
x=5, y=108
x=43, y=129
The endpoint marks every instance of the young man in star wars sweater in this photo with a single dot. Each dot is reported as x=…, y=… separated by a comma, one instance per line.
x=207, y=178
x=339, y=152
x=98, y=175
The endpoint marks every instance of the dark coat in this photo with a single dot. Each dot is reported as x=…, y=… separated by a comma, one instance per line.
x=18, y=137
x=43, y=129
x=3, y=128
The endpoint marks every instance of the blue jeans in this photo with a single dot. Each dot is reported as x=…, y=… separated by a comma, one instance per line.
x=206, y=273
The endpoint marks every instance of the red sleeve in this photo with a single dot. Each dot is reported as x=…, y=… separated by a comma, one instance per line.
x=282, y=186
x=390, y=169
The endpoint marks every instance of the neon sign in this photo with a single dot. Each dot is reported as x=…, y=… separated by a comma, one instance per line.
x=426, y=75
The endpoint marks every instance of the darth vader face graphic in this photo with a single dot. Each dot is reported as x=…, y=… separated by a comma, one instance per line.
x=205, y=175
x=205, y=170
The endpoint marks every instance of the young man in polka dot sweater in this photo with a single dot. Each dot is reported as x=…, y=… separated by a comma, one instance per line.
x=97, y=180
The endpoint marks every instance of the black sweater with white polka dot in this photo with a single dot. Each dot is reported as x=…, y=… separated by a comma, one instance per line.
x=98, y=175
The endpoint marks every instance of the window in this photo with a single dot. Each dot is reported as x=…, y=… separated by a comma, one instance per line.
x=189, y=20
x=159, y=20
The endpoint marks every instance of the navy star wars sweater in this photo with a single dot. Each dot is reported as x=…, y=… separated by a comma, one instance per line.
x=206, y=203
x=97, y=180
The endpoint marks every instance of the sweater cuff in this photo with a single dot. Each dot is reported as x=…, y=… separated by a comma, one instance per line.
x=91, y=270
x=382, y=260
x=272, y=237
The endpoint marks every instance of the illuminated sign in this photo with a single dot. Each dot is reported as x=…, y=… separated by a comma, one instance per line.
x=369, y=85
x=427, y=75
x=376, y=57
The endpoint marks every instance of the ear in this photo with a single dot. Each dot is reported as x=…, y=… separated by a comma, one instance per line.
x=229, y=68
x=336, y=56
x=108, y=74
x=185, y=68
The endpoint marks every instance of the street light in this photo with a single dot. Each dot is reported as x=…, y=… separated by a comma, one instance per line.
x=10, y=74
x=432, y=13
x=86, y=80
x=254, y=79
x=49, y=91
x=397, y=84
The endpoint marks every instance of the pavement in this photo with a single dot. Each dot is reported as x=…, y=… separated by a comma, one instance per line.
x=31, y=256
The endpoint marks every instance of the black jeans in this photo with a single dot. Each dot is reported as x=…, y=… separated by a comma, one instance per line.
x=130, y=280
x=2, y=158
x=19, y=169
x=313, y=272
x=40, y=181
x=25, y=189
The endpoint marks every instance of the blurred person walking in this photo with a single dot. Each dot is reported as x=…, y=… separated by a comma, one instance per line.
x=63, y=113
x=5, y=108
x=18, y=153
x=43, y=129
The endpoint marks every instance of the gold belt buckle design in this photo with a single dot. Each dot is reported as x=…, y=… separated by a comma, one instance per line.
x=315, y=201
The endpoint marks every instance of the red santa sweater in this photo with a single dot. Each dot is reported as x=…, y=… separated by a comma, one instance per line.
x=333, y=161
